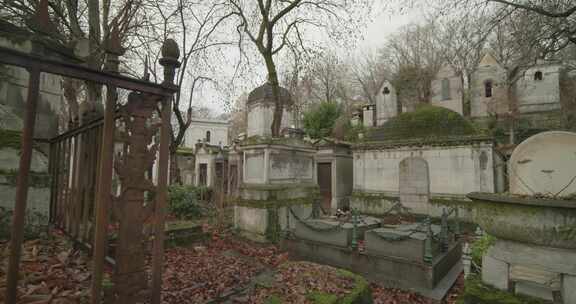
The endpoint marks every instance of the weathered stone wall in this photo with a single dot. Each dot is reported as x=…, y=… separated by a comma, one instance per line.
x=14, y=91
x=290, y=167
x=480, y=105
x=453, y=169
x=386, y=103
x=260, y=116
x=454, y=98
x=537, y=95
x=197, y=132
x=255, y=222
x=254, y=167
x=39, y=181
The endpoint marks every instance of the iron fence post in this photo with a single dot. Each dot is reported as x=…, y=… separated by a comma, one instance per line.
x=17, y=233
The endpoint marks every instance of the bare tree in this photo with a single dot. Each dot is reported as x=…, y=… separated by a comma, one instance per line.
x=195, y=25
x=416, y=54
x=271, y=25
x=369, y=73
x=72, y=23
x=553, y=21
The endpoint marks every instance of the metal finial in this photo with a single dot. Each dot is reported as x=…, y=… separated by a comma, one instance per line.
x=169, y=60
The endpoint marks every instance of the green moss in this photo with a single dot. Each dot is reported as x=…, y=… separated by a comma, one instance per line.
x=322, y=298
x=373, y=197
x=35, y=179
x=452, y=202
x=10, y=139
x=267, y=140
x=185, y=151
x=361, y=294
x=475, y=292
x=276, y=203
x=274, y=299
x=425, y=122
x=273, y=228
x=480, y=247
x=180, y=225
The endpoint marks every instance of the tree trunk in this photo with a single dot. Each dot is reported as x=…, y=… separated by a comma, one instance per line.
x=278, y=105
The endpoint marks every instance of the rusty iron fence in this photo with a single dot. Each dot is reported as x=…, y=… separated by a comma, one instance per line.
x=112, y=170
x=73, y=166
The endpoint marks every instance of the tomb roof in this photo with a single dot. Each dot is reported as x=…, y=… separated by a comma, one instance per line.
x=426, y=122
x=265, y=93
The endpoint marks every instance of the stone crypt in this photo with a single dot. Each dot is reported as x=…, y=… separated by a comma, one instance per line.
x=277, y=174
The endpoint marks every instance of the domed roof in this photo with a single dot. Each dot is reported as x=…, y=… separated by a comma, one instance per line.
x=265, y=93
x=426, y=121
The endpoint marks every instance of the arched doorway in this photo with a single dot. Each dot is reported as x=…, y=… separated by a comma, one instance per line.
x=414, y=184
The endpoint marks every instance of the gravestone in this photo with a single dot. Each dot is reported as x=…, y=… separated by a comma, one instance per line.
x=415, y=185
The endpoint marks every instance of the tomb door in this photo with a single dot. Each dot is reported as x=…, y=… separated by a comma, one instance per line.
x=325, y=184
x=415, y=184
x=203, y=175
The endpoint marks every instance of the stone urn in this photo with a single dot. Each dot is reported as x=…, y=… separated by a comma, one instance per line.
x=542, y=222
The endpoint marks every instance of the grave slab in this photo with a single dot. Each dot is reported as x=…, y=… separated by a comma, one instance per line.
x=406, y=241
x=333, y=232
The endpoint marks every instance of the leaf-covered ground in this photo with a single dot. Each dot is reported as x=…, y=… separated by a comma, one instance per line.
x=51, y=272
x=221, y=270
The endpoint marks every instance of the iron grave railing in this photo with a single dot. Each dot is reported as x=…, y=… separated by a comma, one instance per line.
x=128, y=145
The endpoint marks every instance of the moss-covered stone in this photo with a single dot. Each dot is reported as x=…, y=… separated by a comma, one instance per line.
x=373, y=197
x=356, y=288
x=452, y=202
x=267, y=140
x=184, y=151
x=276, y=203
x=10, y=139
x=425, y=122
x=274, y=299
x=35, y=179
x=475, y=292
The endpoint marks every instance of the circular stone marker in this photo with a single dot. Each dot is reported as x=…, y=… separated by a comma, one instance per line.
x=546, y=164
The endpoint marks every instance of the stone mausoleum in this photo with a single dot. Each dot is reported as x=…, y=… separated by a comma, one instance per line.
x=426, y=159
x=278, y=174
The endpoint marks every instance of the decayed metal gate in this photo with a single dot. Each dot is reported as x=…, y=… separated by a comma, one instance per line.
x=83, y=165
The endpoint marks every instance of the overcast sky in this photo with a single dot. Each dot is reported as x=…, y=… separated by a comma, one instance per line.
x=386, y=22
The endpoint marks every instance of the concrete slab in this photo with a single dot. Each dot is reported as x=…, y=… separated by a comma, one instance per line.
x=569, y=288
x=534, y=290
x=546, y=258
